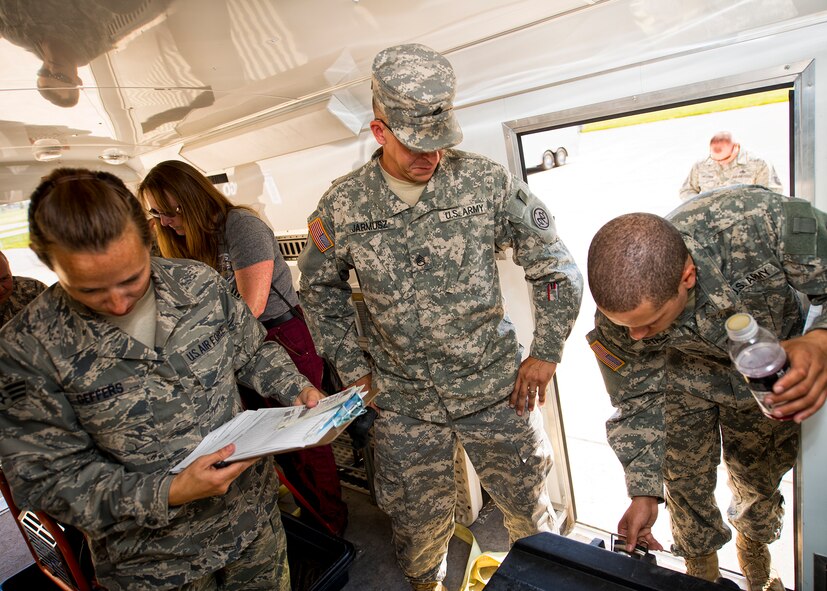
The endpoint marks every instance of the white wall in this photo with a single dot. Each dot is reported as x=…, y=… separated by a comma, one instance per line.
x=301, y=178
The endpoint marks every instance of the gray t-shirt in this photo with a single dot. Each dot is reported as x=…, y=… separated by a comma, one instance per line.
x=247, y=241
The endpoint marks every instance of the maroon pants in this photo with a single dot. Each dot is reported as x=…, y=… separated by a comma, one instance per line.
x=311, y=471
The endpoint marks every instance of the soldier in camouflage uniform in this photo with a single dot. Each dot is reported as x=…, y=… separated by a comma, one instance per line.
x=664, y=290
x=114, y=375
x=15, y=292
x=421, y=225
x=727, y=164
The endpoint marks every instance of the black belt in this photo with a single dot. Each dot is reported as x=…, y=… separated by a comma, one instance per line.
x=274, y=322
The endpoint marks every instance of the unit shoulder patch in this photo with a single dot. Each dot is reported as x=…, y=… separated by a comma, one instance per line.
x=605, y=356
x=541, y=218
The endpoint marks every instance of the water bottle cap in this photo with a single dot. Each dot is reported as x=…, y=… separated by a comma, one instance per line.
x=740, y=327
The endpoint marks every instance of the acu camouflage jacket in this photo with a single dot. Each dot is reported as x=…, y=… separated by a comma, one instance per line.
x=752, y=249
x=438, y=336
x=24, y=291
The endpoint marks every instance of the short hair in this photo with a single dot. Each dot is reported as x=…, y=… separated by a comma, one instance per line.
x=204, y=211
x=82, y=210
x=634, y=258
x=378, y=109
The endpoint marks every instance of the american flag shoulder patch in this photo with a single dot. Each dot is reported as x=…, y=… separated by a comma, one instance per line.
x=605, y=356
x=320, y=237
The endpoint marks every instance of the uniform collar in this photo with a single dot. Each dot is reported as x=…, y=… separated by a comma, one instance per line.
x=87, y=330
x=436, y=195
x=711, y=286
x=174, y=295
x=739, y=160
x=383, y=202
x=169, y=290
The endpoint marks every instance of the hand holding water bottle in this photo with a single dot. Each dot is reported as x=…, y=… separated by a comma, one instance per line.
x=758, y=356
x=790, y=389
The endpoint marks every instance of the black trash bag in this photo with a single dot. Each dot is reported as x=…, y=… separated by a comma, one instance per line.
x=331, y=382
x=359, y=428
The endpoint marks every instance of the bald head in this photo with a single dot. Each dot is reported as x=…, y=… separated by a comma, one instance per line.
x=634, y=258
x=722, y=148
x=722, y=137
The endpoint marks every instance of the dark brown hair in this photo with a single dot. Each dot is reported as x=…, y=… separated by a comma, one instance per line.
x=634, y=258
x=82, y=210
x=203, y=214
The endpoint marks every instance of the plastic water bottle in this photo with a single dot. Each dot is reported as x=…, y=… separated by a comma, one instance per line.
x=757, y=355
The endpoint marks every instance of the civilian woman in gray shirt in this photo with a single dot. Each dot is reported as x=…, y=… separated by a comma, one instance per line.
x=196, y=221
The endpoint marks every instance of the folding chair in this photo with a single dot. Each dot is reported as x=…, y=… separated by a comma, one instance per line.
x=57, y=549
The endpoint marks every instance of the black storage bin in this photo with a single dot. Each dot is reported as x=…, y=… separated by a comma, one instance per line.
x=318, y=560
x=546, y=562
x=30, y=578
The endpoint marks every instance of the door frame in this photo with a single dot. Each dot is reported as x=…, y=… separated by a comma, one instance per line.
x=798, y=75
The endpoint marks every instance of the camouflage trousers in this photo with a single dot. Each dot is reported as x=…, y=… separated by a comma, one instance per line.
x=757, y=452
x=261, y=567
x=415, y=481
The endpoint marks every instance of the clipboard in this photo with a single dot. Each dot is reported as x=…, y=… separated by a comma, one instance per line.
x=271, y=431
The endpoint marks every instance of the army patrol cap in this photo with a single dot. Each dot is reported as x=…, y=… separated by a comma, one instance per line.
x=415, y=86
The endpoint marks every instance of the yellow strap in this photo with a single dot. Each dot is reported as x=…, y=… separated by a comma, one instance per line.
x=464, y=534
x=481, y=565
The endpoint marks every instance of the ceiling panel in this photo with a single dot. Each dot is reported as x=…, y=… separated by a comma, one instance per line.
x=159, y=73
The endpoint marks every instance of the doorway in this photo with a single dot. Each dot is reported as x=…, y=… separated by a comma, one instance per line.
x=594, y=163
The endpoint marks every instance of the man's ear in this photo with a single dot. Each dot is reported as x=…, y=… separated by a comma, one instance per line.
x=689, y=274
x=378, y=131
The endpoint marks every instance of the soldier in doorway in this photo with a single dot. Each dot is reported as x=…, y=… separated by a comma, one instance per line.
x=664, y=290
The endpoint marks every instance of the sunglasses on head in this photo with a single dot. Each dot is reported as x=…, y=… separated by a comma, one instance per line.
x=157, y=214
